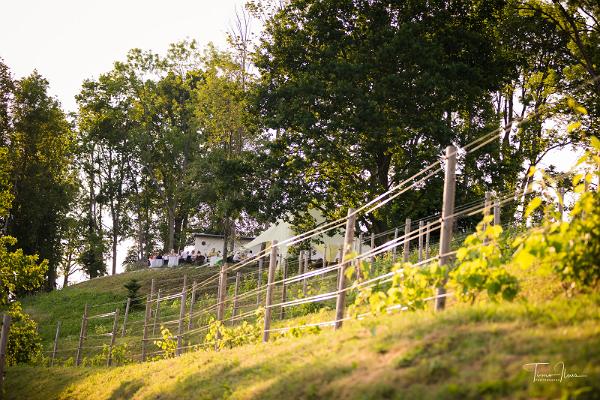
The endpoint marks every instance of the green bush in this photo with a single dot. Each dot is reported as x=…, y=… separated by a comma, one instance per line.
x=24, y=342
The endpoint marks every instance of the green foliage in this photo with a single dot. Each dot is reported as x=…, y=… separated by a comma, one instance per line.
x=410, y=287
x=167, y=344
x=18, y=273
x=121, y=355
x=364, y=94
x=220, y=336
x=24, y=342
x=92, y=256
x=41, y=150
x=133, y=286
x=571, y=249
x=480, y=265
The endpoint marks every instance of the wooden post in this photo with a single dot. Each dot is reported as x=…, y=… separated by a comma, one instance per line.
x=192, y=301
x=372, y=257
x=340, y=258
x=447, y=219
x=259, y=280
x=156, y=312
x=421, y=224
x=406, y=240
x=487, y=203
x=496, y=212
x=395, y=245
x=361, y=239
x=238, y=276
x=561, y=203
x=82, y=334
x=341, y=295
x=126, y=315
x=222, y=293
x=147, y=316
x=55, y=344
x=304, y=281
x=182, y=315
x=269, y=297
x=283, y=290
x=3, y=343
x=427, y=234
x=112, y=338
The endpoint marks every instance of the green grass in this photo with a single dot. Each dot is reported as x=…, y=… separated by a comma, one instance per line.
x=465, y=352
x=462, y=353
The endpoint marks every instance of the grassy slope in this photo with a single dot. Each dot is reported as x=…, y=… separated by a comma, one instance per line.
x=67, y=305
x=466, y=352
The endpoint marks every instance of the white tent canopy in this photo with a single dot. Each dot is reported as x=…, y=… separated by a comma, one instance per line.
x=281, y=230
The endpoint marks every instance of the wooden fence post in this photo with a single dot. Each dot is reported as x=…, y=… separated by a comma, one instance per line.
x=447, y=219
x=283, y=289
x=406, y=240
x=421, y=224
x=487, y=204
x=156, y=312
x=112, y=338
x=427, y=234
x=182, y=315
x=361, y=238
x=126, y=315
x=221, y=296
x=147, y=319
x=55, y=343
x=304, y=281
x=341, y=295
x=340, y=257
x=192, y=301
x=82, y=334
x=496, y=212
x=372, y=257
x=395, y=245
x=3, y=344
x=269, y=297
x=238, y=275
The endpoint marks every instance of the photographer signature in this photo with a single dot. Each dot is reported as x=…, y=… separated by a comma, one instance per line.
x=542, y=372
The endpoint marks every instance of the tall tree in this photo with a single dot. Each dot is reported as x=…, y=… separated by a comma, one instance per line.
x=41, y=145
x=362, y=94
x=107, y=128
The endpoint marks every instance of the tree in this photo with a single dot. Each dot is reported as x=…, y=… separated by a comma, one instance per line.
x=578, y=21
x=363, y=94
x=43, y=180
x=73, y=245
x=106, y=128
x=168, y=139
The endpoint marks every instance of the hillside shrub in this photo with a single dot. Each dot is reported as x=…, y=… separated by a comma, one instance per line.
x=24, y=342
x=133, y=286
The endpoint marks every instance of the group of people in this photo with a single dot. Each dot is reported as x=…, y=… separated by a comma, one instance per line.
x=212, y=257
x=173, y=258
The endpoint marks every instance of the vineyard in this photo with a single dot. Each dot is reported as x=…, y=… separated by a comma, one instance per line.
x=314, y=199
x=211, y=312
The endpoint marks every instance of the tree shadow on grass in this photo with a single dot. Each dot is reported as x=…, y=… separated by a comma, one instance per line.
x=127, y=389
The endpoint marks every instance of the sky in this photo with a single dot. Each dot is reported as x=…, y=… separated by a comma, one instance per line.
x=68, y=41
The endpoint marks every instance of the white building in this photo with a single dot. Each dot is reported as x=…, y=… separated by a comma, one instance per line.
x=206, y=243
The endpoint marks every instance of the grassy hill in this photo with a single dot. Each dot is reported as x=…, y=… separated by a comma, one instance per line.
x=464, y=352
